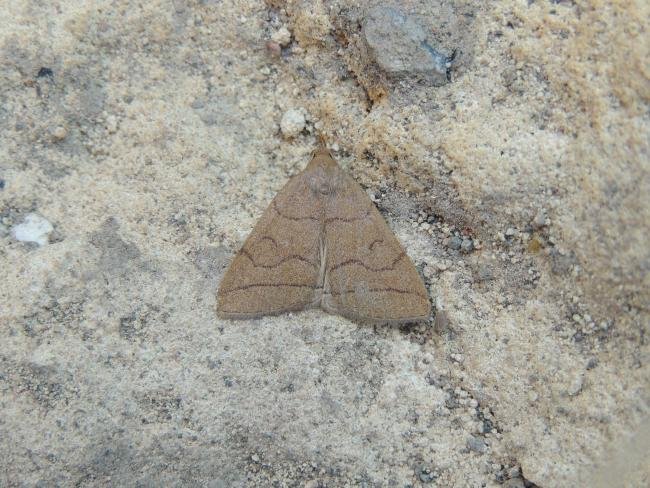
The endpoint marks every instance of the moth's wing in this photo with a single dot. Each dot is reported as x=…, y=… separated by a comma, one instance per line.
x=277, y=268
x=369, y=277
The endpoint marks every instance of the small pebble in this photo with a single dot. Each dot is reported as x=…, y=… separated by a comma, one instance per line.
x=476, y=444
x=255, y=458
x=59, y=133
x=111, y=124
x=45, y=71
x=441, y=322
x=455, y=243
x=429, y=271
x=274, y=49
x=576, y=386
x=485, y=273
x=540, y=220
x=467, y=245
x=510, y=232
x=282, y=36
x=33, y=229
x=459, y=358
x=292, y=123
x=426, y=475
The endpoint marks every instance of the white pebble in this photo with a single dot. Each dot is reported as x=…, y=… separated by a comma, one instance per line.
x=292, y=123
x=59, y=133
x=282, y=36
x=540, y=219
x=576, y=385
x=33, y=229
x=111, y=124
x=429, y=271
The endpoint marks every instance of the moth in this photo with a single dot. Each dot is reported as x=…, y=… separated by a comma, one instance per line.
x=323, y=243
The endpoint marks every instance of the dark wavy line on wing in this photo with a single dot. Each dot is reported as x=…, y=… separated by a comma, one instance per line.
x=267, y=285
x=347, y=219
x=268, y=238
x=290, y=217
x=350, y=262
x=297, y=257
x=379, y=290
x=376, y=241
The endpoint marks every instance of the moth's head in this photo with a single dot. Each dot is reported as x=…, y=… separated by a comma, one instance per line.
x=323, y=155
x=323, y=172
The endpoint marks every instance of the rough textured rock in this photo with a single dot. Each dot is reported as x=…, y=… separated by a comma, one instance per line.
x=292, y=123
x=400, y=46
x=34, y=229
x=147, y=134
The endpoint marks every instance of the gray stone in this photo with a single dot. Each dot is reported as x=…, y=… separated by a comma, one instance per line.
x=467, y=245
x=514, y=483
x=476, y=444
x=540, y=220
x=400, y=46
x=485, y=273
x=426, y=475
x=455, y=243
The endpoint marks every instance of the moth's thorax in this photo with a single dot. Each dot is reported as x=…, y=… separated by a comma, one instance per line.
x=323, y=174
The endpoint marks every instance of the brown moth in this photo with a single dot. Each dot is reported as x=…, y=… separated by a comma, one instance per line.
x=322, y=243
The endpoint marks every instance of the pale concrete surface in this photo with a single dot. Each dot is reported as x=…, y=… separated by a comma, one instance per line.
x=148, y=135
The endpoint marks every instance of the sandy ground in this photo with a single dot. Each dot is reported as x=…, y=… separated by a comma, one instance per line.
x=139, y=143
